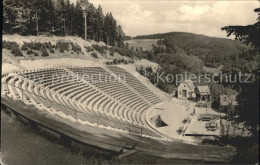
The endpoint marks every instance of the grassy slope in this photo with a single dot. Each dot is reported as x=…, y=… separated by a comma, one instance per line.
x=146, y=44
x=55, y=59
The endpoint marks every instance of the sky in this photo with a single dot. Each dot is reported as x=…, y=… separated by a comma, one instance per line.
x=141, y=17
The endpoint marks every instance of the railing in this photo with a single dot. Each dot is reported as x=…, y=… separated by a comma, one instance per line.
x=76, y=114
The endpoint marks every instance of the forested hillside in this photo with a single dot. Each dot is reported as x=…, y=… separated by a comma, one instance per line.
x=161, y=35
x=180, y=53
x=212, y=51
x=60, y=17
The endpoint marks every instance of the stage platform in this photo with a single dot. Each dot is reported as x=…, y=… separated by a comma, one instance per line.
x=198, y=128
x=173, y=113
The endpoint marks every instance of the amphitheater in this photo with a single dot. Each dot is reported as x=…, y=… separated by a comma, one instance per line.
x=86, y=94
x=107, y=107
x=103, y=99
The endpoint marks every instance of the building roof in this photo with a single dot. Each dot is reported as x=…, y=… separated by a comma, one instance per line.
x=189, y=83
x=228, y=99
x=203, y=89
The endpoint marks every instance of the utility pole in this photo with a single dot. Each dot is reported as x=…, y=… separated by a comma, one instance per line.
x=22, y=94
x=64, y=25
x=71, y=27
x=37, y=27
x=84, y=8
x=85, y=18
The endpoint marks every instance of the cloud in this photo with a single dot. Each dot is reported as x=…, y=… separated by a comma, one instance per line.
x=202, y=17
x=196, y=10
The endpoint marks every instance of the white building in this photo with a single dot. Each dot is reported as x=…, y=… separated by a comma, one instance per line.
x=186, y=90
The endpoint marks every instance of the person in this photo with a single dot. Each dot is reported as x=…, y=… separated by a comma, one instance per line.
x=194, y=110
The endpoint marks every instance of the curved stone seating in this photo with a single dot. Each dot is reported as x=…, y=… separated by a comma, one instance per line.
x=111, y=103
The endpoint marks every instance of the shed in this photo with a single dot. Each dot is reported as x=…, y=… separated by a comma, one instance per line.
x=226, y=100
x=202, y=93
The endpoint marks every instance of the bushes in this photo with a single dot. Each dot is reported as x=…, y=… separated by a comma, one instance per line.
x=44, y=51
x=31, y=48
x=112, y=51
x=13, y=46
x=9, y=45
x=35, y=54
x=29, y=52
x=93, y=54
x=48, y=45
x=36, y=45
x=52, y=50
x=119, y=61
x=24, y=47
x=76, y=48
x=16, y=51
x=89, y=48
x=63, y=46
x=124, y=52
x=33, y=45
x=131, y=61
x=121, y=51
x=100, y=49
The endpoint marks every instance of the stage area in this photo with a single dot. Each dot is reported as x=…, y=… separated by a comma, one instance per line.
x=198, y=128
x=171, y=113
x=181, y=122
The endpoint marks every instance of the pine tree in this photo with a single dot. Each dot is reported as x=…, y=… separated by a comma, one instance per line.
x=60, y=17
x=100, y=23
x=79, y=20
x=91, y=21
x=120, y=36
x=9, y=16
x=107, y=29
x=113, y=25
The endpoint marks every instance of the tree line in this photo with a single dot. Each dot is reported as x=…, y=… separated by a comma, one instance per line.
x=60, y=17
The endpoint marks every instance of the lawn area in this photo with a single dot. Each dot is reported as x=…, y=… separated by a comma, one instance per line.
x=146, y=44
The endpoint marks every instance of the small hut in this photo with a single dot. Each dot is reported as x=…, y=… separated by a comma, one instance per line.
x=202, y=93
x=227, y=100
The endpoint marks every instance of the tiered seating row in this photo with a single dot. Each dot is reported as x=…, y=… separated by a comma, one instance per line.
x=104, y=81
x=136, y=84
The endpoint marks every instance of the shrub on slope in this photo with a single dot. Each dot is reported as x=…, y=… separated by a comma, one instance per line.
x=44, y=51
x=100, y=49
x=13, y=46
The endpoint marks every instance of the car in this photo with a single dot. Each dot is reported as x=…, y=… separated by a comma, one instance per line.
x=201, y=104
x=208, y=117
x=212, y=125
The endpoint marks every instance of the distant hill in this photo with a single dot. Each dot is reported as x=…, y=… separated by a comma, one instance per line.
x=160, y=35
x=125, y=38
x=213, y=51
